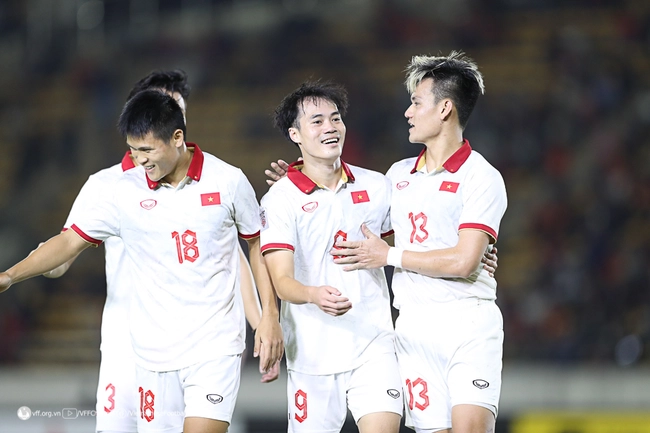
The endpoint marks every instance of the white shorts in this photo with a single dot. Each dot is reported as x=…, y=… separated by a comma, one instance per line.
x=319, y=403
x=205, y=390
x=117, y=397
x=449, y=354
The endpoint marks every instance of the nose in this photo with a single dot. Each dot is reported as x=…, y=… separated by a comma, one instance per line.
x=407, y=113
x=139, y=157
x=329, y=126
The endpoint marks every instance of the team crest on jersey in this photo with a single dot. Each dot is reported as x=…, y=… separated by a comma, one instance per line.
x=403, y=184
x=310, y=207
x=148, y=204
x=263, y=221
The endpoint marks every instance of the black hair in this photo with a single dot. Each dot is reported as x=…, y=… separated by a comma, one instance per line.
x=455, y=76
x=170, y=81
x=151, y=111
x=286, y=114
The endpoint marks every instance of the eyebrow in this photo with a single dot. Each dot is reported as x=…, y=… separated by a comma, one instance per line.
x=140, y=149
x=333, y=113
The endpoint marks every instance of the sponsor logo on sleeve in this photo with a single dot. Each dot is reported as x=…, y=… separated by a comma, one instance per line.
x=214, y=398
x=263, y=221
x=480, y=383
x=393, y=393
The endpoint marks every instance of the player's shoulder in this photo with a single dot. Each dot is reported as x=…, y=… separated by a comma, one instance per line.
x=360, y=172
x=281, y=188
x=111, y=173
x=402, y=166
x=477, y=164
x=210, y=160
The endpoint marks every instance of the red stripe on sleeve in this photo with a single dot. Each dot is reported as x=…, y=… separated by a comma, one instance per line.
x=270, y=247
x=84, y=236
x=253, y=236
x=481, y=227
x=388, y=233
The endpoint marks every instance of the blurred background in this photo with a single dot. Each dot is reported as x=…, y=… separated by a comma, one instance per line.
x=565, y=118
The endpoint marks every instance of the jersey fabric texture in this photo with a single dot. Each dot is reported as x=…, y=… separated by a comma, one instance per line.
x=307, y=219
x=429, y=209
x=183, y=243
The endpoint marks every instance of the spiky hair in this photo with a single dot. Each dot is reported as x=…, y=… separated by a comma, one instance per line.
x=286, y=114
x=455, y=76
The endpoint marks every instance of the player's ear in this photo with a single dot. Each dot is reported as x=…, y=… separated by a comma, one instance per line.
x=294, y=134
x=446, y=107
x=178, y=138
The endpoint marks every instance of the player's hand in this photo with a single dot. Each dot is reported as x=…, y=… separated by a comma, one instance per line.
x=272, y=374
x=490, y=261
x=279, y=171
x=269, y=345
x=370, y=253
x=330, y=300
x=5, y=281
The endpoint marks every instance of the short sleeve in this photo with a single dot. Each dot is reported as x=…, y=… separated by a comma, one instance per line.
x=96, y=216
x=278, y=223
x=484, y=203
x=247, y=209
x=386, y=227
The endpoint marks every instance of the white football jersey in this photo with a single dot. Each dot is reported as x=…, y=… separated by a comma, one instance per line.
x=429, y=209
x=184, y=248
x=115, y=326
x=307, y=219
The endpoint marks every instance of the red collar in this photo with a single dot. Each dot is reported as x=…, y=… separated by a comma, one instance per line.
x=193, y=172
x=305, y=184
x=452, y=164
x=127, y=161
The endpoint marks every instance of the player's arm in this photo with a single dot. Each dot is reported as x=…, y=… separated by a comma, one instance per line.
x=462, y=260
x=252, y=307
x=459, y=261
x=327, y=298
x=59, y=271
x=48, y=256
x=269, y=345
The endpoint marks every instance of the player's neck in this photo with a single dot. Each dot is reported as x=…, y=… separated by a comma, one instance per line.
x=326, y=173
x=441, y=148
x=180, y=171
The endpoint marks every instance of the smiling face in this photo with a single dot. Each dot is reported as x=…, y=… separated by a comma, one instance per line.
x=424, y=115
x=321, y=131
x=159, y=158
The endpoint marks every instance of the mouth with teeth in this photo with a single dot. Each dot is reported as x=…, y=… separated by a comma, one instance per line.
x=333, y=140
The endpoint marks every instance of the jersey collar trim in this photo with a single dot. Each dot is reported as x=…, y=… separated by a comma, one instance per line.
x=193, y=172
x=452, y=164
x=305, y=184
x=127, y=161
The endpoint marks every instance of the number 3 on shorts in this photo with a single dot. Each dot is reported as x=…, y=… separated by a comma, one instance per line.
x=423, y=400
